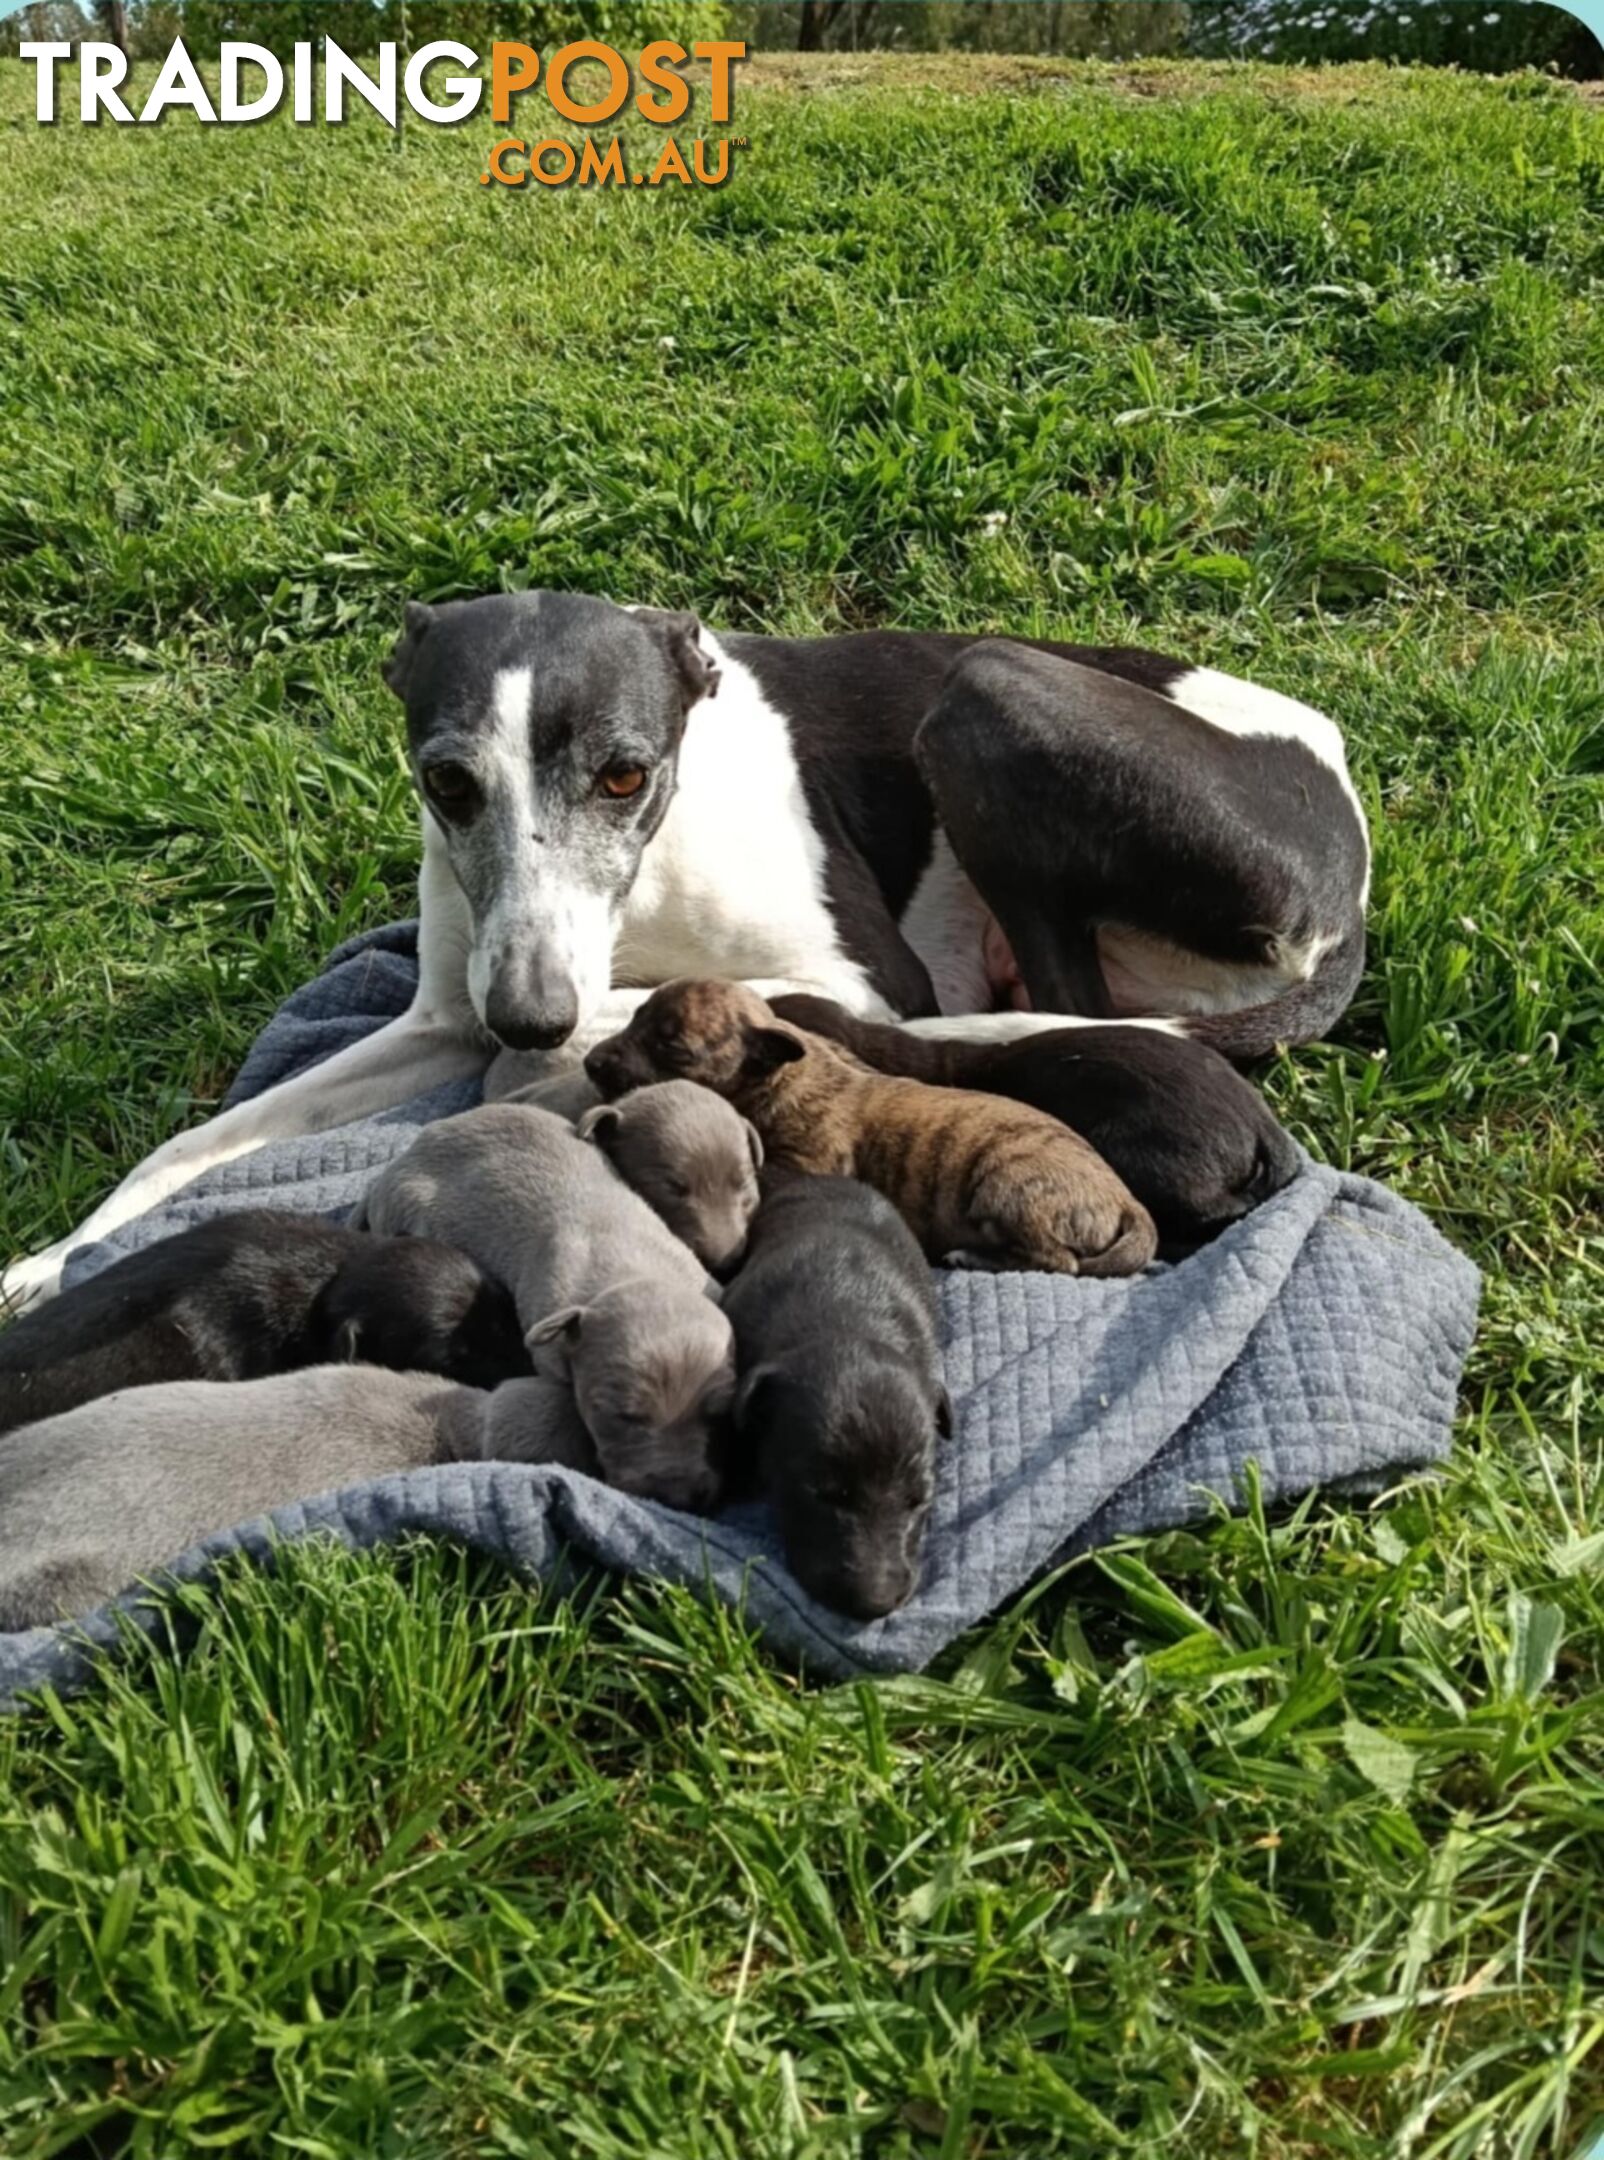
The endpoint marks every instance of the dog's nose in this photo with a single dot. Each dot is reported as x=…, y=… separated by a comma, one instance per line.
x=530, y=1007
x=523, y=1031
x=520, y=1030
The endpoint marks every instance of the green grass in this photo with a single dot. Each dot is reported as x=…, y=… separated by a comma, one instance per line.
x=1284, y=1840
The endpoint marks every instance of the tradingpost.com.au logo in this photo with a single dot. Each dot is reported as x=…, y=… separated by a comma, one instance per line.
x=252, y=84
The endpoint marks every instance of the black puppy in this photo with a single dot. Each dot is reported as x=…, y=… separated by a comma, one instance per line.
x=840, y=1396
x=249, y=1295
x=1194, y=1141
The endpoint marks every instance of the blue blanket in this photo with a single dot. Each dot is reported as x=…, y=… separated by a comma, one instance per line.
x=1322, y=1339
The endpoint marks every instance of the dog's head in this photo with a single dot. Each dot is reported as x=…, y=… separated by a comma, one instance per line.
x=849, y=1460
x=692, y=1159
x=544, y=731
x=654, y=1381
x=719, y=1034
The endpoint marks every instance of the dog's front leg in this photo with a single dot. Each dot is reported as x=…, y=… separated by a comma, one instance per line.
x=408, y=1057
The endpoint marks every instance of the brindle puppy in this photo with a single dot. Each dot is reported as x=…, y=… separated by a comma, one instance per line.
x=1193, y=1140
x=981, y=1181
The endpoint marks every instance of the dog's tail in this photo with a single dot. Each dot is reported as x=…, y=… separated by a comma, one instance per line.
x=1301, y=1013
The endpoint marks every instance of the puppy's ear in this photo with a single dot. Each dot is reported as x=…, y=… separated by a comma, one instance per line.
x=566, y=1322
x=681, y=638
x=397, y=670
x=768, y=1048
x=944, y=1415
x=754, y=1143
x=752, y=1386
x=601, y=1126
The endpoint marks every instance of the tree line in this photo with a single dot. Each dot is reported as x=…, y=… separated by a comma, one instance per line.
x=1496, y=38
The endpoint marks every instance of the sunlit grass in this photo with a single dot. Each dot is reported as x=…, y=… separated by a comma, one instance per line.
x=1285, y=1840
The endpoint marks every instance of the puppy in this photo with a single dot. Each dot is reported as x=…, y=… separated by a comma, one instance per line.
x=840, y=1397
x=256, y=1293
x=691, y=1158
x=526, y=1076
x=1194, y=1141
x=981, y=1181
x=609, y=1299
x=101, y=1496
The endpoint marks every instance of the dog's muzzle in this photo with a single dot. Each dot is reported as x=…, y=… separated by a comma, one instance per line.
x=531, y=1005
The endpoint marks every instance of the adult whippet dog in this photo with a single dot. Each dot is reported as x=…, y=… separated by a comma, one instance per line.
x=970, y=835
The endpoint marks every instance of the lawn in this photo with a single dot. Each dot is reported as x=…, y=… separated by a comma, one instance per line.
x=1283, y=1839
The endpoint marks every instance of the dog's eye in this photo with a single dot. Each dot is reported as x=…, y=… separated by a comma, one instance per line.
x=453, y=787
x=622, y=781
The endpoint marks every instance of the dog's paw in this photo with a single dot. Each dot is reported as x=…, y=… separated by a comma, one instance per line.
x=31, y=1281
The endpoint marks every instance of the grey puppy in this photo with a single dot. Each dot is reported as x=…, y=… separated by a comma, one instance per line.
x=529, y=1076
x=102, y=1496
x=692, y=1158
x=609, y=1298
x=841, y=1395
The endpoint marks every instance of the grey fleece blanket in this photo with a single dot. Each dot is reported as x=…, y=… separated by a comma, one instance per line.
x=1321, y=1339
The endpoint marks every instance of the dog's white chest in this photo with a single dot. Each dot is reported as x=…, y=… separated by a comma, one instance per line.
x=945, y=923
x=733, y=883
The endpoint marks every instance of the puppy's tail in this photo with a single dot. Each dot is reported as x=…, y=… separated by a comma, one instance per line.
x=1135, y=1244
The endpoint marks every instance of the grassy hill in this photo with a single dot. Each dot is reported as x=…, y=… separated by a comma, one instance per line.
x=1281, y=1841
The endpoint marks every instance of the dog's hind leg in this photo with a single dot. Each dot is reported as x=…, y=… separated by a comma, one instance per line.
x=408, y=1057
x=1197, y=855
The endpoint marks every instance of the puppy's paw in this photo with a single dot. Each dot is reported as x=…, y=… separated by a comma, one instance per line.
x=1129, y=1240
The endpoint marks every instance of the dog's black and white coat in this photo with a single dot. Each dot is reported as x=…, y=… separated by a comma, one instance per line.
x=914, y=825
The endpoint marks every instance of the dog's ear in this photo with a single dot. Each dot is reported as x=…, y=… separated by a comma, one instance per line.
x=397, y=670
x=602, y=1126
x=754, y=1143
x=566, y=1322
x=681, y=638
x=944, y=1415
x=768, y=1048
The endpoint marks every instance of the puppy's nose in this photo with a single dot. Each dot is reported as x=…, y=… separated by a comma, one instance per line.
x=871, y=1597
x=604, y=1069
